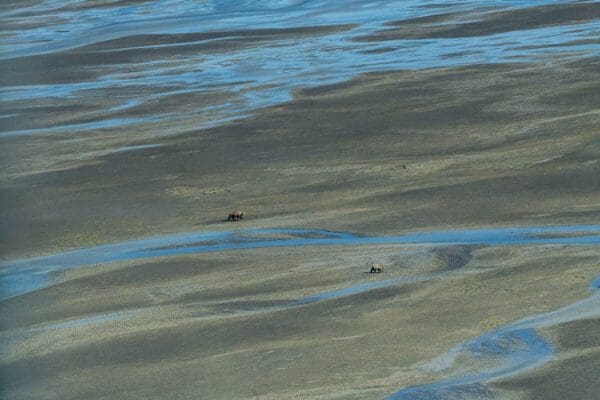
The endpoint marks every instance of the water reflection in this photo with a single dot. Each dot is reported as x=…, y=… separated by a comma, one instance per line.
x=232, y=58
x=22, y=276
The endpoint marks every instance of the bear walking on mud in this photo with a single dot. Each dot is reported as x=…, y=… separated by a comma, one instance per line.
x=236, y=216
x=376, y=268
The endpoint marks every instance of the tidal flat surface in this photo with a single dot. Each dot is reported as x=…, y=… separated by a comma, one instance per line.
x=18, y=277
x=286, y=322
x=128, y=123
x=80, y=66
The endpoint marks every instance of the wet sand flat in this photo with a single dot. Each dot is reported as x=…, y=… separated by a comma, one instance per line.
x=165, y=329
x=488, y=21
x=191, y=326
x=573, y=374
x=386, y=153
x=135, y=120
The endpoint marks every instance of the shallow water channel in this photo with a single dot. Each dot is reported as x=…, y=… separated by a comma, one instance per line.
x=511, y=349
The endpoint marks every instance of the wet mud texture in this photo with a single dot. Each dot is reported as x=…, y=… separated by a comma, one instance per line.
x=385, y=153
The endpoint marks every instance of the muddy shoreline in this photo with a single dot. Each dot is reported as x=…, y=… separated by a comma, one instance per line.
x=516, y=145
x=337, y=163
x=470, y=369
x=190, y=314
x=400, y=119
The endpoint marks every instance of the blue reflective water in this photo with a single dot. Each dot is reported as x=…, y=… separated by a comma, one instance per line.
x=362, y=288
x=492, y=355
x=22, y=276
x=58, y=25
x=465, y=369
x=515, y=348
x=262, y=73
x=99, y=124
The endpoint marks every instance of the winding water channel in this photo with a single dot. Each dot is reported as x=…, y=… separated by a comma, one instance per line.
x=465, y=369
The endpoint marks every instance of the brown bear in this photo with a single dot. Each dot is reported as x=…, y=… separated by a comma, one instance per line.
x=376, y=268
x=236, y=215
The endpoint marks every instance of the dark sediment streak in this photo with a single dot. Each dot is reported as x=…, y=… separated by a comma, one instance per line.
x=488, y=23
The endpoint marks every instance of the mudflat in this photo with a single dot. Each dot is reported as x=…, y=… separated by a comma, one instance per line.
x=484, y=21
x=387, y=152
x=572, y=374
x=85, y=162
x=227, y=325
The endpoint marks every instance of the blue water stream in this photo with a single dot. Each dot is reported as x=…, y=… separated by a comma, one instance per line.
x=22, y=276
x=252, y=76
x=464, y=369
